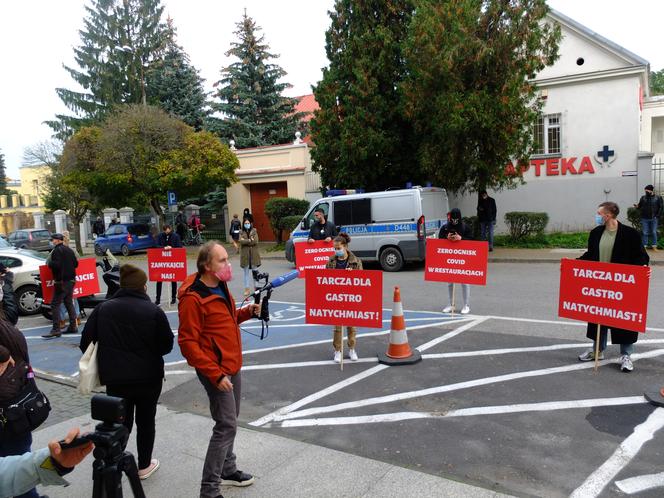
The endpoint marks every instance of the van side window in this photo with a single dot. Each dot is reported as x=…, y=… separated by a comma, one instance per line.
x=355, y=212
x=311, y=220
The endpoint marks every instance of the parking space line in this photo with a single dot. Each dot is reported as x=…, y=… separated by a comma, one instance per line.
x=457, y=386
x=637, y=484
x=467, y=412
x=352, y=380
x=627, y=450
x=554, y=322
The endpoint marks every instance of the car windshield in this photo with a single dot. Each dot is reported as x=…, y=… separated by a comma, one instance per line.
x=32, y=254
x=4, y=243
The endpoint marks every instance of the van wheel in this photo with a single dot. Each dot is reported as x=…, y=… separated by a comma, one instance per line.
x=29, y=300
x=124, y=250
x=391, y=259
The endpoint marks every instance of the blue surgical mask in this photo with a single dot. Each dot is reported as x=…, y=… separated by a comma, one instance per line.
x=599, y=219
x=247, y=226
x=339, y=253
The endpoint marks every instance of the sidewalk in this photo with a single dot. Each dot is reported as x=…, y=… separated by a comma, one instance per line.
x=282, y=467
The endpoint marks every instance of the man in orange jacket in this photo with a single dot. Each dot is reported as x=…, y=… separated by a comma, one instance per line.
x=209, y=337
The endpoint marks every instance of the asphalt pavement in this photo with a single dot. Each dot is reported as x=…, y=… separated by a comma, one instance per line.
x=500, y=404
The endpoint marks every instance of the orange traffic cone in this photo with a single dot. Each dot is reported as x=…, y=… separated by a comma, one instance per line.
x=398, y=350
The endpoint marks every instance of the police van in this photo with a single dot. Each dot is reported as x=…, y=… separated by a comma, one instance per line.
x=389, y=227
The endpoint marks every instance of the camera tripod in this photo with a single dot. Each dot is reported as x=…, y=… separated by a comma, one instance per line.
x=111, y=461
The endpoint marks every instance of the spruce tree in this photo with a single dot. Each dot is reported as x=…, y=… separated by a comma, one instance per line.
x=362, y=138
x=176, y=86
x=119, y=41
x=3, y=176
x=250, y=95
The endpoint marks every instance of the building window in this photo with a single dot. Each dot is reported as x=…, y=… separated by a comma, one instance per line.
x=547, y=135
x=35, y=187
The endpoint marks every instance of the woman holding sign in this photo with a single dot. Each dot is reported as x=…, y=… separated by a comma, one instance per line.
x=343, y=259
x=613, y=242
x=250, y=258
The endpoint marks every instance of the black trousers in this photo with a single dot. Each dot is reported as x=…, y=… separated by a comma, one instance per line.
x=174, y=291
x=63, y=292
x=143, y=399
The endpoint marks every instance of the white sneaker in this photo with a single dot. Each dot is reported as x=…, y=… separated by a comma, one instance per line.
x=448, y=309
x=465, y=310
x=337, y=357
x=352, y=355
x=626, y=364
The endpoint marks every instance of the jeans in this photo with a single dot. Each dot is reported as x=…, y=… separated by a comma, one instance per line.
x=143, y=399
x=248, y=277
x=18, y=446
x=220, y=459
x=63, y=292
x=174, y=291
x=465, y=289
x=486, y=232
x=649, y=227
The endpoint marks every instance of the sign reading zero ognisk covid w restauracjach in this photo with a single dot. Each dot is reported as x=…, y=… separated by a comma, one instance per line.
x=461, y=262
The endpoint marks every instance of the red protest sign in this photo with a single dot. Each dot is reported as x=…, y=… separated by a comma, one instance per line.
x=87, y=281
x=341, y=297
x=167, y=265
x=610, y=294
x=312, y=255
x=462, y=262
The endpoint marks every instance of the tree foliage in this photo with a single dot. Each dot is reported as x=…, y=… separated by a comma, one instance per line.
x=138, y=154
x=468, y=91
x=120, y=39
x=250, y=96
x=362, y=137
x=657, y=82
x=176, y=86
x=3, y=176
x=67, y=187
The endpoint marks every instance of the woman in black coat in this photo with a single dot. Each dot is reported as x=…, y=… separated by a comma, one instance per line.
x=132, y=336
x=613, y=242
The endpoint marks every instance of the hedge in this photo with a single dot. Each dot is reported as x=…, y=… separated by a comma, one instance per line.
x=278, y=209
x=523, y=224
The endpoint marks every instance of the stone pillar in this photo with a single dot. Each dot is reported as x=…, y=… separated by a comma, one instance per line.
x=26, y=200
x=15, y=201
x=644, y=172
x=3, y=201
x=126, y=215
x=39, y=219
x=109, y=214
x=84, y=228
x=60, y=221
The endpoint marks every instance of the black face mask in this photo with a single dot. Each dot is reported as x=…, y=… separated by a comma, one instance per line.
x=648, y=193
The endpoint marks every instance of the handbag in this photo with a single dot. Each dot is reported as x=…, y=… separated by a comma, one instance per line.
x=88, y=370
x=27, y=411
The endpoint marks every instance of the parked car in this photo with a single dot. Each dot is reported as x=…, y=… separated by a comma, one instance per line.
x=24, y=264
x=125, y=238
x=38, y=239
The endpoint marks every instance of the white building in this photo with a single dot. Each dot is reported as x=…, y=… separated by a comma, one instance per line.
x=590, y=134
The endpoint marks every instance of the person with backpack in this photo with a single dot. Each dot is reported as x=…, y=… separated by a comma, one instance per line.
x=650, y=207
x=236, y=226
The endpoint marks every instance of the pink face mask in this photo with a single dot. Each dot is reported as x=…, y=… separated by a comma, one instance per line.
x=225, y=274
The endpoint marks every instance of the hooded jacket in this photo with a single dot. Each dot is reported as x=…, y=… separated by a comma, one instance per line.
x=209, y=332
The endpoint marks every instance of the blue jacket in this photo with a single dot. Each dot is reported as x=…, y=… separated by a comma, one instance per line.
x=21, y=473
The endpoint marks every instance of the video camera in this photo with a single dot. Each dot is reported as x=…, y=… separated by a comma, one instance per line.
x=110, y=439
x=266, y=289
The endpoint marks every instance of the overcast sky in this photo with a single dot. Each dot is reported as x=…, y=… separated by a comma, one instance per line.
x=37, y=36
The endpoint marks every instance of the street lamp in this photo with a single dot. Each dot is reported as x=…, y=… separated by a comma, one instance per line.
x=129, y=50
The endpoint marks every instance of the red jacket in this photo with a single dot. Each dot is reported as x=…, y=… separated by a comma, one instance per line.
x=209, y=332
